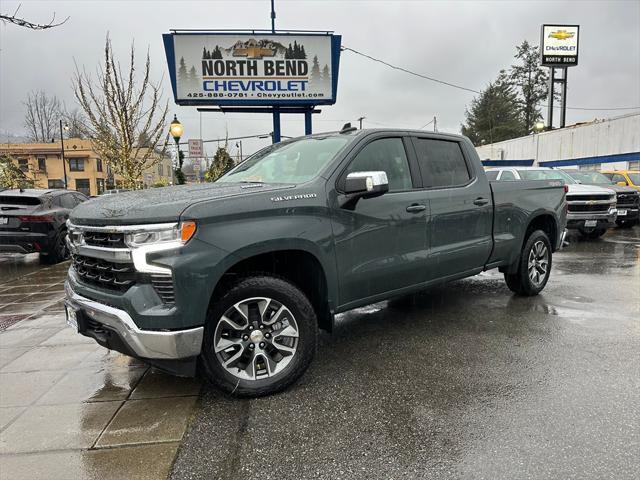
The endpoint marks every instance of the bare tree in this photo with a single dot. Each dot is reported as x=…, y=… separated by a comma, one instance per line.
x=21, y=22
x=42, y=116
x=75, y=121
x=120, y=110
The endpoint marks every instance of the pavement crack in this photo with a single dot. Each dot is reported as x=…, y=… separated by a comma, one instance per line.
x=236, y=448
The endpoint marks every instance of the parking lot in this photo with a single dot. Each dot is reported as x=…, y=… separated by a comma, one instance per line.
x=462, y=381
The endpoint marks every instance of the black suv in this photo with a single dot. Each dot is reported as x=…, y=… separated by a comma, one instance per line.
x=34, y=220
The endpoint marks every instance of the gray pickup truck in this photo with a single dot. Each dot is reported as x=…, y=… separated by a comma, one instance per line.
x=234, y=278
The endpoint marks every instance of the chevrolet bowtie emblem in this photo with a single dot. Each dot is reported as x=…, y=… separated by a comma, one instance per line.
x=561, y=35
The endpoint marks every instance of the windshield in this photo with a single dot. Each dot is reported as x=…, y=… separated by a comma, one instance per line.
x=545, y=175
x=590, y=177
x=635, y=178
x=290, y=162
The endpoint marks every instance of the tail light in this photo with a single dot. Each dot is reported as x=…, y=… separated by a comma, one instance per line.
x=36, y=218
x=566, y=188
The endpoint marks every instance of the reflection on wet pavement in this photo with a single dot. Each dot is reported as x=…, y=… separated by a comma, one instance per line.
x=72, y=409
x=462, y=381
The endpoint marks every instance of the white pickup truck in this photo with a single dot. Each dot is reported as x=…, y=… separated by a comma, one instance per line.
x=590, y=209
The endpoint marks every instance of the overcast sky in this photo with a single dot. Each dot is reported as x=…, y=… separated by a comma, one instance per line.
x=461, y=42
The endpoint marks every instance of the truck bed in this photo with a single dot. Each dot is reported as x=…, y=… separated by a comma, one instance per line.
x=514, y=205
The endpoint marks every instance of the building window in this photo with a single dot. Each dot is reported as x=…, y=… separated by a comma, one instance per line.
x=160, y=169
x=42, y=164
x=98, y=165
x=82, y=186
x=56, y=183
x=23, y=164
x=100, y=185
x=76, y=164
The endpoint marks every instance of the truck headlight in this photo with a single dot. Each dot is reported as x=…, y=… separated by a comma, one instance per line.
x=154, y=235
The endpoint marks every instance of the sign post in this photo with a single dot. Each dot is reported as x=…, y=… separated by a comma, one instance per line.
x=558, y=51
x=292, y=71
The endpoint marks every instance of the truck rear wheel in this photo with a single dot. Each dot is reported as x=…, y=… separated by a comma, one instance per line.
x=534, y=266
x=259, y=338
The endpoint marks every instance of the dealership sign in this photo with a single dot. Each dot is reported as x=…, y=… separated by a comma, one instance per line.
x=559, y=45
x=253, y=69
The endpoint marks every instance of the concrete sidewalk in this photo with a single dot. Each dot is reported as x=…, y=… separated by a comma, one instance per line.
x=72, y=409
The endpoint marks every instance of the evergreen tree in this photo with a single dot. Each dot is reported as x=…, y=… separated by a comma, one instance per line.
x=193, y=77
x=303, y=54
x=222, y=163
x=288, y=52
x=494, y=115
x=183, y=77
x=530, y=80
x=315, y=70
x=205, y=54
x=326, y=76
x=217, y=53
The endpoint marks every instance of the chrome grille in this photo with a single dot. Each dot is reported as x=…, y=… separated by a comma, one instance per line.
x=105, y=274
x=163, y=285
x=104, y=239
x=584, y=198
x=598, y=207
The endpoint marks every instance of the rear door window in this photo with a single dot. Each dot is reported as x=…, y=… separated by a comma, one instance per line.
x=442, y=163
x=492, y=174
x=68, y=201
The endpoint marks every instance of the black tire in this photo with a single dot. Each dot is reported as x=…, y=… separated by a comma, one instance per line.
x=288, y=295
x=57, y=252
x=592, y=233
x=520, y=282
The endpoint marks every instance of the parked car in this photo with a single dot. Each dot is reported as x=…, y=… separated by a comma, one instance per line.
x=240, y=273
x=624, y=178
x=627, y=199
x=34, y=220
x=591, y=209
x=115, y=191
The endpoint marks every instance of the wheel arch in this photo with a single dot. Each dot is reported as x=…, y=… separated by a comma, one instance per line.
x=295, y=261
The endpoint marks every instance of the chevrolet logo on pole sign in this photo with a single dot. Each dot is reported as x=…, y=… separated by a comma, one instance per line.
x=559, y=45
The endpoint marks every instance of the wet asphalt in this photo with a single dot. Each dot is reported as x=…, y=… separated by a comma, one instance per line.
x=464, y=381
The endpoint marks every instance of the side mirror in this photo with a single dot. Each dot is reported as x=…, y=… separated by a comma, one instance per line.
x=366, y=184
x=622, y=184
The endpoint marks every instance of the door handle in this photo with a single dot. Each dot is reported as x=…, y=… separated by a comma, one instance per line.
x=416, y=208
x=480, y=201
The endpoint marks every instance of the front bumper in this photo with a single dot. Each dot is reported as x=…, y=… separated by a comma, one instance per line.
x=603, y=220
x=115, y=329
x=631, y=213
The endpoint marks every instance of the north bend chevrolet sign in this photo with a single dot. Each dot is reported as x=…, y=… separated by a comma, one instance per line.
x=253, y=69
x=559, y=45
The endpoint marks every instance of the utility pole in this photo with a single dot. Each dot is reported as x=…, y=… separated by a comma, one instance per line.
x=64, y=163
x=435, y=124
x=360, y=120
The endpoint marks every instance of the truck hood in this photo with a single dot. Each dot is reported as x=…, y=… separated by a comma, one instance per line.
x=158, y=205
x=615, y=188
x=581, y=188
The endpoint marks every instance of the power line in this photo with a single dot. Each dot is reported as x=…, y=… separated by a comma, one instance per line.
x=460, y=87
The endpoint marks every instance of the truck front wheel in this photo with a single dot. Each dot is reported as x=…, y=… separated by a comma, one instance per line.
x=534, y=266
x=260, y=337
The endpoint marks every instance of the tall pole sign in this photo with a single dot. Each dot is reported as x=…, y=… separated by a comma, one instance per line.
x=558, y=51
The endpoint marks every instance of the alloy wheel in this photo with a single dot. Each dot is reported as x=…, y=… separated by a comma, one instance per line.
x=256, y=338
x=538, y=263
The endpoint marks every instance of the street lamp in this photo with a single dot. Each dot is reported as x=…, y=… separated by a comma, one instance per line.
x=539, y=127
x=176, y=130
x=64, y=163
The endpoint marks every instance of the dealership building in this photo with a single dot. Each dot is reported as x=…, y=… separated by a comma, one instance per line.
x=611, y=144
